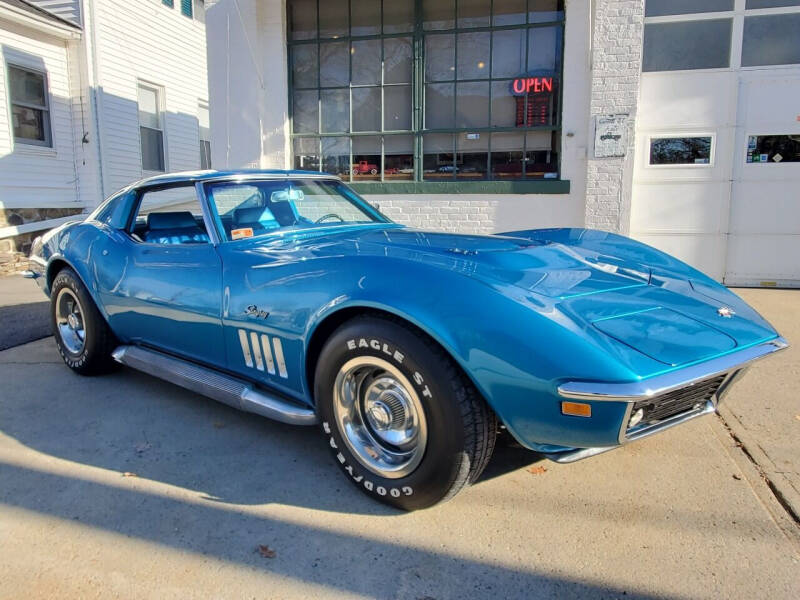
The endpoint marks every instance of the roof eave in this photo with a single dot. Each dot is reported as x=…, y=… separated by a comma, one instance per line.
x=43, y=24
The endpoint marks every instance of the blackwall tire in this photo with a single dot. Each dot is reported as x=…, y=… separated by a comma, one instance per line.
x=82, y=336
x=402, y=421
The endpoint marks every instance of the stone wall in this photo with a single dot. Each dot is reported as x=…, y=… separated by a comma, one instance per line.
x=617, y=31
x=14, y=250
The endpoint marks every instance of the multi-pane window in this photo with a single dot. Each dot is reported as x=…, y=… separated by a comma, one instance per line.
x=204, y=127
x=426, y=90
x=30, y=110
x=687, y=34
x=151, y=130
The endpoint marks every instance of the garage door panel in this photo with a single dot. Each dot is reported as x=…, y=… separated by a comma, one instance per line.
x=680, y=207
x=699, y=99
x=764, y=207
x=703, y=252
x=754, y=259
x=764, y=240
x=768, y=101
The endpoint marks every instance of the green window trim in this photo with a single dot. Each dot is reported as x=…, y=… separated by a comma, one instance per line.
x=489, y=179
x=169, y=3
x=186, y=8
x=516, y=186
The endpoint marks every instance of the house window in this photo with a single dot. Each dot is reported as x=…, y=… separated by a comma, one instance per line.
x=688, y=150
x=170, y=3
x=151, y=130
x=30, y=109
x=434, y=90
x=205, y=135
x=186, y=8
x=199, y=10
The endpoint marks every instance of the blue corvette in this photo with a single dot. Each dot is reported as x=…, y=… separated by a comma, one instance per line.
x=285, y=294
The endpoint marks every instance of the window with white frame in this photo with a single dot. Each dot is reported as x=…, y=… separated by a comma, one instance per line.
x=30, y=106
x=711, y=34
x=204, y=126
x=681, y=150
x=151, y=128
x=199, y=10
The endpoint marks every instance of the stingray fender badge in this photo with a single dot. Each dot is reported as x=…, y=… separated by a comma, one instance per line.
x=725, y=311
x=253, y=311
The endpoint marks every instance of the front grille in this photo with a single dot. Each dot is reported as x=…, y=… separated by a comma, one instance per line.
x=678, y=401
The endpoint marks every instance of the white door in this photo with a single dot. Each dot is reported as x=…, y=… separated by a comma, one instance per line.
x=764, y=226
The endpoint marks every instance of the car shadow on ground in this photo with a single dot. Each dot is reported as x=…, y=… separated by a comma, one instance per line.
x=241, y=477
x=23, y=323
x=129, y=422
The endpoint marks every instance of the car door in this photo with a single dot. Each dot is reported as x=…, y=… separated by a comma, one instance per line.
x=161, y=280
x=263, y=336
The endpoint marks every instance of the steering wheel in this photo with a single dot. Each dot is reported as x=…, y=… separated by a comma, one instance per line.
x=329, y=216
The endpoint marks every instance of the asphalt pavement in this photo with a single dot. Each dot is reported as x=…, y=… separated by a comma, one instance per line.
x=126, y=486
x=24, y=315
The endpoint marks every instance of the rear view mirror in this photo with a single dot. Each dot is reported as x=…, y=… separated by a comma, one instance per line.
x=291, y=194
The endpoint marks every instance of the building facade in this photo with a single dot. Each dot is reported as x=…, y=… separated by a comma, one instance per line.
x=95, y=94
x=495, y=115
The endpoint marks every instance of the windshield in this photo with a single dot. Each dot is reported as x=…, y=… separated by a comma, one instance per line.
x=254, y=208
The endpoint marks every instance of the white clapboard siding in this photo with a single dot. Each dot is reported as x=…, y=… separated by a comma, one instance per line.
x=147, y=41
x=66, y=9
x=32, y=175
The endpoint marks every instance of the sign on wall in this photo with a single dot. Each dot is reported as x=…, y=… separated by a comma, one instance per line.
x=610, y=135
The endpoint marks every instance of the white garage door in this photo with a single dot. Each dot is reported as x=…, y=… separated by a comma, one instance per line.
x=764, y=225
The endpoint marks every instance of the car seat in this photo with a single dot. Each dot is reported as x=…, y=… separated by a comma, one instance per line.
x=174, y=228
x=258, y=218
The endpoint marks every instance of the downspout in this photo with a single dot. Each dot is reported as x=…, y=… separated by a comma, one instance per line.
x=96, y=101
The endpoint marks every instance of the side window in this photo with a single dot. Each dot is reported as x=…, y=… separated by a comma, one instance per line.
x=170, y=216
x=30, y=110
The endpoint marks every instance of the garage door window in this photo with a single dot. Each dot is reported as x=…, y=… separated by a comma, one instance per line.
x=771, y=40
x=703, y=44
x=661, y=8
x=774, y=149
x=681, y=150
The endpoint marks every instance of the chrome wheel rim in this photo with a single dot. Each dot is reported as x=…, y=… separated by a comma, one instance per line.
x=380, y=416
x=69, y=321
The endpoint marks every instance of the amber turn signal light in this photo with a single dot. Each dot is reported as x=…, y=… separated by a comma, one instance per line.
x=576, y=409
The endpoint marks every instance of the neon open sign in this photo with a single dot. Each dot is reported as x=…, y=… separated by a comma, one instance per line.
x=522, y=86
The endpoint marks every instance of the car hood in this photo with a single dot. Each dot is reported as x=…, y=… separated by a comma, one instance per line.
x=605, y=285
x=548, y=268
x=595, y=283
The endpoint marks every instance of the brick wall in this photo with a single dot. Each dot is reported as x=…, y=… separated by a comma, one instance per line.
x=616, y=66
x=441, y=214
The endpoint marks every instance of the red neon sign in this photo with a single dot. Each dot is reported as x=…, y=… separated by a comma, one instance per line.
x=531, y=85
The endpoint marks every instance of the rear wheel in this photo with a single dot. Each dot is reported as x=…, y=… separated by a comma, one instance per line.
x=82, y=336
x=403, y=422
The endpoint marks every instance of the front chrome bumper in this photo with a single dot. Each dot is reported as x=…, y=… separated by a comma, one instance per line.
x=732, y=366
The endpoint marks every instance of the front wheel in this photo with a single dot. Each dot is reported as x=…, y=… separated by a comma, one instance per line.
x=404, y=424
x=82, y=336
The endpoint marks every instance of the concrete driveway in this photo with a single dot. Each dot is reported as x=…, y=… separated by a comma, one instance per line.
x=126, y=486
